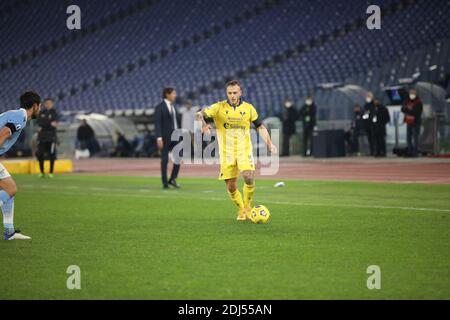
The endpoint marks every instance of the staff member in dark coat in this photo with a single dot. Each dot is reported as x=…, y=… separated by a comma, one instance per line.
x=166, y=121
x=357, y=128
x=288, y=117
x=308, y=116
x=47, y=139
x=368, y=127
x=85, y=135
x=380, y=119
x=413, y=108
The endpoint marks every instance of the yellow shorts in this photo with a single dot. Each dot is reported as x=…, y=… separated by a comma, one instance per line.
x=232, y=169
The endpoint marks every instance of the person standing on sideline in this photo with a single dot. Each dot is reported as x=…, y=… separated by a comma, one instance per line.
x=47, y=138
x=85, y=136
x=357, y=129
x=308, y=116
x=166, y=122
x=380, y=119
x=367, y=117
x=413, y=108
x=288, y=117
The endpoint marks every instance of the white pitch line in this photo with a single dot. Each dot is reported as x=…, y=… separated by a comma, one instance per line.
x=226, y=199
x=360, y=206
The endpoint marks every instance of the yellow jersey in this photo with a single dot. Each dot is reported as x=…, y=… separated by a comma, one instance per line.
x=233, y=128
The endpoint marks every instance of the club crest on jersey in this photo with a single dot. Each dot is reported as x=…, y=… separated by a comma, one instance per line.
x=242, y=113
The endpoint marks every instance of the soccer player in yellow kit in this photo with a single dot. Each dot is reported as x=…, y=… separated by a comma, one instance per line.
x=233, y=119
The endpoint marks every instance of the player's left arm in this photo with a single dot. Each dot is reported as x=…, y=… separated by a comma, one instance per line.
x=5, y=133
x=262, y=130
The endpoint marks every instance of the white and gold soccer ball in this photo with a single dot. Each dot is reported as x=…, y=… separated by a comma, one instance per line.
x=259, y=214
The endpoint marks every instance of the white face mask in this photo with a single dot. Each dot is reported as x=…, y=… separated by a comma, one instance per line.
x=288, y=104
x=412, y=96
x=368, y=100
x=308, y=102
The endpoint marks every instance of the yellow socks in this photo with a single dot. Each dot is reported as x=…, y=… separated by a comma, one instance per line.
x=236, y=197
x=248, y=194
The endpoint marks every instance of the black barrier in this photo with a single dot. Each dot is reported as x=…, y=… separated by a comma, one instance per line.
x=328, y=144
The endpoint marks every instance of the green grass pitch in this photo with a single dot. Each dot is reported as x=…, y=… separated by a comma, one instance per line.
x=132, y=240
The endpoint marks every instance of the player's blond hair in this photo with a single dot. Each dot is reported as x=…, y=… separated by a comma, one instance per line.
x=233, y=83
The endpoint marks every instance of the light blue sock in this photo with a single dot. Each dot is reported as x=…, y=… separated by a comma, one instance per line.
x=7, y=204
x=4, y=196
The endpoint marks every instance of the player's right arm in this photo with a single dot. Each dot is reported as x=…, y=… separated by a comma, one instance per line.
x=5, y=133
x=209, y=112
x=200, y=117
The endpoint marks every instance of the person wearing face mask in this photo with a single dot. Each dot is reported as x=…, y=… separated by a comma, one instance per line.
x=357, y=129
x=367, y=119
x=308, y=116
x=413, y=108
x=288, y=118
x=47, y=136
x=380, y=119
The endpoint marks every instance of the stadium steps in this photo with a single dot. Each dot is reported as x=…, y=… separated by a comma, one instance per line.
x=120, y=71
x=297, y=50
x=65, y=40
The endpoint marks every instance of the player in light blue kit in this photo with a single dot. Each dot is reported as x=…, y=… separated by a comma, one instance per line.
x=11, y=125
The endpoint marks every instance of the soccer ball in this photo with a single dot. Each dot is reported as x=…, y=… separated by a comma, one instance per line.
x=259, y=214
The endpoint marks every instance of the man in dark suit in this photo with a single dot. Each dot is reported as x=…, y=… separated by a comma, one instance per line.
x=166, y=121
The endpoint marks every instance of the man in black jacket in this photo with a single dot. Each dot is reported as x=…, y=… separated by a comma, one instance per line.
x=47, y=139
x=308, y=116
x=380, y=119
x=367, y=118
x=166, y=121
x=357, y=129
x=85, y=136
x=288, y=118
x=413, y=108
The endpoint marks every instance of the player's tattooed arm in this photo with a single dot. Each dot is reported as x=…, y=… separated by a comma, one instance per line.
x=262, y=130
x=5, y=133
